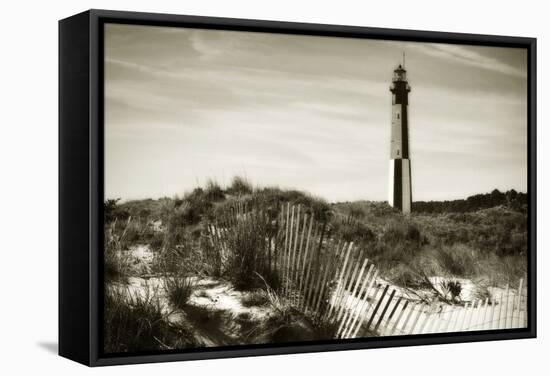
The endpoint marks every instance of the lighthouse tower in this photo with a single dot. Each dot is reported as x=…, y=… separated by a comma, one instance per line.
x=400, y=187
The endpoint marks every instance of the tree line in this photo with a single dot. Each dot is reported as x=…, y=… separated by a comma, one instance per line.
x=512, y=199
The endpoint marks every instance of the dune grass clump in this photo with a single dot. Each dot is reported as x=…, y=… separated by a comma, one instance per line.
x=354, y=231
x=135, y=322
x=248, y=257
x=179, y=290
x=116, y=263
x=457, y=260
x=240, y=186
x=288, y=324
x=213, y=191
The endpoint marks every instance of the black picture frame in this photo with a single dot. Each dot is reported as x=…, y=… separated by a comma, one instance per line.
x=81, y=184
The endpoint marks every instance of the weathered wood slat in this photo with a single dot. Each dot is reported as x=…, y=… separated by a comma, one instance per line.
x=346, y=283
x=306, y=253
x=496, y=313
x=341, y=276
x=354, y=317
x=451, y=315
x=471, y=313
x=416, y=318
x=299, y=259
x=315, y=276
x=506, y=309
x=309, y=273
x=504, y=300
x=384, y=310
x=518, y=304
x=295, y=246
x=359, y=301
x=376, y=308
x=288, y=252
x=352, y=281
x=369, y=314
x=428, y=317
x=440, y=320
x=408, y=316
x=340, y=315
x=328, y=267
x=284, y=252
x=394, y=310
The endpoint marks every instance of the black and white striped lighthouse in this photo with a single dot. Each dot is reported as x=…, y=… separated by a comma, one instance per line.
x=400, y=186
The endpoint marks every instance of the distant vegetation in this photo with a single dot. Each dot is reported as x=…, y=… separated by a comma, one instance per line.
x=511, y=199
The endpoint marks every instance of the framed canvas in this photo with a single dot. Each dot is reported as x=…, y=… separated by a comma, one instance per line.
x=235, y=187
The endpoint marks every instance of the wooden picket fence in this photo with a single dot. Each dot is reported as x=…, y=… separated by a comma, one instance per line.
x=402, y=316
x=333, y=282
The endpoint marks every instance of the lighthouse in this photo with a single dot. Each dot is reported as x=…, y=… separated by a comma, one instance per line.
x=400, y=187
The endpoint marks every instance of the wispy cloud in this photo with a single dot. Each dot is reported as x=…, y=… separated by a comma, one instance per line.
x=465, y=55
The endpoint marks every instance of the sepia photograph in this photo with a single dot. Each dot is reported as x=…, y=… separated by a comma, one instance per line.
x=273, y=188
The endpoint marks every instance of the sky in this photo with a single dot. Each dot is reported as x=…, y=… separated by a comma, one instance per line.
x=305, y=112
